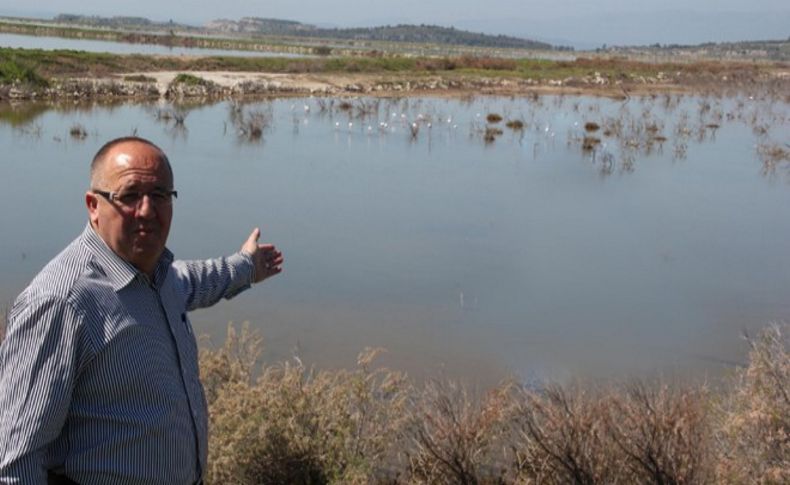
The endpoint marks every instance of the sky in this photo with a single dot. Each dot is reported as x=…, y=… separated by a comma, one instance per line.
x=569, y=22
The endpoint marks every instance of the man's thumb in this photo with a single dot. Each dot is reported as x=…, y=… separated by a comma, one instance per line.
x=256, y=233
x=251, y=244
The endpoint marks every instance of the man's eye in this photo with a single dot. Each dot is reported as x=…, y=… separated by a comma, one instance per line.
x=128, y=198
x=158, y=196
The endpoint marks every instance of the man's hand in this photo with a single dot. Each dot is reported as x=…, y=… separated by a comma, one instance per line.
x=267, y=259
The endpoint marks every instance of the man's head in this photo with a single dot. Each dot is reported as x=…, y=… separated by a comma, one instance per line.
x=129, y=202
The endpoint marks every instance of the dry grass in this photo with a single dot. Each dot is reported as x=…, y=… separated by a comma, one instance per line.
x=661, y=432
x=754, y=428
x=455, y=438
x=297, y=425
x=289, y=424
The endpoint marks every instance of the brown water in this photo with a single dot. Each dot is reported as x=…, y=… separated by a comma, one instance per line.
x=527, y=255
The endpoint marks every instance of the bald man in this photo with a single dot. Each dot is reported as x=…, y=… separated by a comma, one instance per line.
x=99, y=379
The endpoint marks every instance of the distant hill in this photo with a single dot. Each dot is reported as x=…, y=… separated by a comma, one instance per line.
x=118, y=22
x=397, y=33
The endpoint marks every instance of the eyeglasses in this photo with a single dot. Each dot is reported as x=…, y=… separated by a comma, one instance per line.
x=132, y=199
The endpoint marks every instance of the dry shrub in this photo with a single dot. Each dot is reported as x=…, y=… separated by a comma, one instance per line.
x=772, y=156
x=515, y=125
x=754, y=434
x=662, y=432
x=590, y=142
x=591, y=126
x=296, y=425
x=494, y=118
x=490, y=134
x=289, y=424
x=78, y=132
x=561, y=438
x=455, y=437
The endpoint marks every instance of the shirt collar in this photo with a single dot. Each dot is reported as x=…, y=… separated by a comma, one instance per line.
x=118, y=271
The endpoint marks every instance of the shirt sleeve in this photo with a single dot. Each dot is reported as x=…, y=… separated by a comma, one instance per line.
x=39, y=360
x=206, y=282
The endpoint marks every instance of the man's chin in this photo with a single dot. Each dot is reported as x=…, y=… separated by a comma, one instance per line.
x=148, y=249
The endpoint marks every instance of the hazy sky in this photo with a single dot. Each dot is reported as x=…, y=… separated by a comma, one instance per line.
x=610, y=21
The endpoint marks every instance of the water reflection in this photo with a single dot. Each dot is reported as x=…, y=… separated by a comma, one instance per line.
x=537, y=251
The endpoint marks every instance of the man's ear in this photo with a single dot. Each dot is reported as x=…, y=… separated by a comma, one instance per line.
x=92, y=203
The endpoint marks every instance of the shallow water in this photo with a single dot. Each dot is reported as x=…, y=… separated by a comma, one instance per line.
x=87, y=45
x=527, y=255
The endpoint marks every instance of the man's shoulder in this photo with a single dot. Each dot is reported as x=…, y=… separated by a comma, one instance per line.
x=58, y=279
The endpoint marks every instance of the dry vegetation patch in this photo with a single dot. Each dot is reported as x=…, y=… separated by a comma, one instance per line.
x=286, y=423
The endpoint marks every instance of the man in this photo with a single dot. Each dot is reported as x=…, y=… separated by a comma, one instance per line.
x=98, y=370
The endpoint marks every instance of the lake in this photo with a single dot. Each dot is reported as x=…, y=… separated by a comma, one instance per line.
x=462, y=246
x=51, y=43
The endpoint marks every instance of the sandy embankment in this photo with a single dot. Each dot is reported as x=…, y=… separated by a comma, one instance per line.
x=229, y=79
x=236, y=82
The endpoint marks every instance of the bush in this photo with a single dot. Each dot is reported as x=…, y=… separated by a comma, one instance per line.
x=322, y=50
x=494, y=118
x=297, y=425
x=662, y=433
x=139, y=78
x=12, y=71
x=561, y=438
x=754, y=431
x=457, y=439
x=190, y=80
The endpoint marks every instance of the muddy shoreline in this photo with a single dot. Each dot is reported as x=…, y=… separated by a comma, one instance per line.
x=214, y=85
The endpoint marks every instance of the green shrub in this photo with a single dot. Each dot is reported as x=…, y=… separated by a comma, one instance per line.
x=12, y=71
x=139, y=78
x=190, y=80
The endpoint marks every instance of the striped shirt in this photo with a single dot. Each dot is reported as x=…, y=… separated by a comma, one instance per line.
x=99, y=375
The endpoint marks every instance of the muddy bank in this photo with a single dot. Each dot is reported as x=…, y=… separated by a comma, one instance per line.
x=226, y=84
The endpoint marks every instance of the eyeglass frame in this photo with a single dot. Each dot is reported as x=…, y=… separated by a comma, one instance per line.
x=113, y=197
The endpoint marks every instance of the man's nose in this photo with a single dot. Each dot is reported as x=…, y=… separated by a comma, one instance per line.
x=145, y=207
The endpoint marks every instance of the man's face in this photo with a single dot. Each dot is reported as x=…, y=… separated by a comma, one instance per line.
x=136, y=232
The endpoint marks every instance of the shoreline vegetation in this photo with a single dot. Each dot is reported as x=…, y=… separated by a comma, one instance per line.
x=34, y=74
x=286, y=423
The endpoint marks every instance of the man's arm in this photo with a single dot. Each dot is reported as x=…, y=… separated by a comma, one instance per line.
x=44, y=348
x=206, y=282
